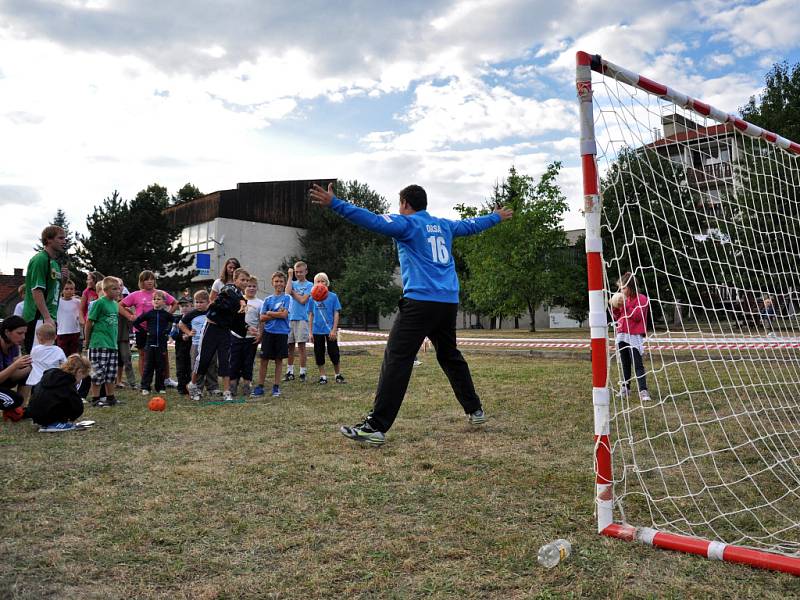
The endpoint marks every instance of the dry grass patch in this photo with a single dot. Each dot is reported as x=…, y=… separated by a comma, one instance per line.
x=268, y=500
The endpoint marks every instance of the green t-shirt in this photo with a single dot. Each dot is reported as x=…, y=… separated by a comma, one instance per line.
x=44, y=274
x=104, y=314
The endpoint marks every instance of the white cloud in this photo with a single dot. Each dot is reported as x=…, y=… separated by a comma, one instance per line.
x=768, y=25
x=467, y=111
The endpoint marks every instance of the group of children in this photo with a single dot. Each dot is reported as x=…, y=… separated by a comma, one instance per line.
x=234, y=325
x=215, y=335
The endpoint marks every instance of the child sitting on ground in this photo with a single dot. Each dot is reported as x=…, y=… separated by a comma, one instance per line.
x=55, y=402
x=45, y=355
x=275, y=336
x=323, y=322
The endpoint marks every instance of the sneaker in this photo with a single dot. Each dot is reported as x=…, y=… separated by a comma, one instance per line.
x=216, y=392
x=226, y=396
x=289, y=377
x=54, y=427
x=478, y=417
x=245, y=389
x=364, y=432
x=340, y=378
x=257, y=392
x=233, y=388
x=145, y=392
x=170, y=383
x=194, y=391
x=103, y=403
x=417, y=362
x=302, y=377
x=323, y=381
x=623, y=392
x=644, y=396
x=161, y=391
x=276, y=391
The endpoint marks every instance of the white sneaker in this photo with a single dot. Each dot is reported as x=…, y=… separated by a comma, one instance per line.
x=194, y=391
x=417, y=362
x=145, y=392
x=644, y=396
x=170, y=383
x=227, y=396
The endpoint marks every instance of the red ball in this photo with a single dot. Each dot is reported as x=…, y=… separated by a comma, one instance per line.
x=157, y=403
x=319, y=292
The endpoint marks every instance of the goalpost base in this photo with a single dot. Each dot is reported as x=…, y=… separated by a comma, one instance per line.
x=701, y=547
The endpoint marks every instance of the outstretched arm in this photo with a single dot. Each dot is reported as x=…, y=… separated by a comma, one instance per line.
x=394, y=226
x=478, y=224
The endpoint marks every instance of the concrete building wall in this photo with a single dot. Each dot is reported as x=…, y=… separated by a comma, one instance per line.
x=260, y=248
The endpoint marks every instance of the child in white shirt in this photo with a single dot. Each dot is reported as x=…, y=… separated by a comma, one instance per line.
x=69, y=321
x=45, y=355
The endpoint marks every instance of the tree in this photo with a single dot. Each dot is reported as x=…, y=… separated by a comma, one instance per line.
x=511, y=267
x=658, y=227
x=368, y=283
x=187, y=193
x=777, y=108
x=126, y=238
x=571, y=281
x=329, y=240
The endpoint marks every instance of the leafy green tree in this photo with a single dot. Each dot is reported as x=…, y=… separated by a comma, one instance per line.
x=126, y=238
x=777, y=108
x=367, y=285
x=329, y=240
x=185, y=194
x=511, y=267
x=571, y=284
x=681, y=249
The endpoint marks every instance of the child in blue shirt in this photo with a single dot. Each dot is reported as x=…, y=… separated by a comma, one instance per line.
x=323, y=321
x=429, y=305
x=275, y=338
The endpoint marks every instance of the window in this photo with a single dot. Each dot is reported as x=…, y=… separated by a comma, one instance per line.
x=196, y=238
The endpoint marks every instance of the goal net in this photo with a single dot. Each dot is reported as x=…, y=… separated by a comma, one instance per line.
x=699, y=213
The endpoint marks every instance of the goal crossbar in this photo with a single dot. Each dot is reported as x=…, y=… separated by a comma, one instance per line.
x=599, y=323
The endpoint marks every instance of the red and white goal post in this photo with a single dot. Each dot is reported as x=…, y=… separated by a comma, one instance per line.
x=703, y=208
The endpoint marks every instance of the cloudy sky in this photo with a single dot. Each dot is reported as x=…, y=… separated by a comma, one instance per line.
x=104, y=95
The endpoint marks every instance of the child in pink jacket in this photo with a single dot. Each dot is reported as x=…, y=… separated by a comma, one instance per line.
x=631, y=319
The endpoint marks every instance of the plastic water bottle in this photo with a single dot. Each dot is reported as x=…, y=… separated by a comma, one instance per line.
x=553, y=553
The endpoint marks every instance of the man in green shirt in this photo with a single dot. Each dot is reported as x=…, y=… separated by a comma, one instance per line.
x=43, y=281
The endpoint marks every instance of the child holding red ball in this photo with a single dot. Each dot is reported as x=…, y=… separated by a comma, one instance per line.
x=323, y=322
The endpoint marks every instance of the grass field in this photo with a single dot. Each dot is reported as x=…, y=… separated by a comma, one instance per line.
x=268, y=500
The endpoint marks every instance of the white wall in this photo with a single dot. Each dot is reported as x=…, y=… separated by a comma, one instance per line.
x=260, y=248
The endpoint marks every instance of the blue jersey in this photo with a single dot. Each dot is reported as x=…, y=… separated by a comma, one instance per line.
x=297, y=311
x=276, y=303
x=424, y=245
x=323, y=313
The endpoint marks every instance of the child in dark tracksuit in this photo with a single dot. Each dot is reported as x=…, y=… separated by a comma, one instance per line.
x=183, y=347
x=225, y=314
x=159, y=324
x=55, y=401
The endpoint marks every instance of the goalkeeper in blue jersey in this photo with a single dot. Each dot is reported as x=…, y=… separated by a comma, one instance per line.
x=428, y=307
